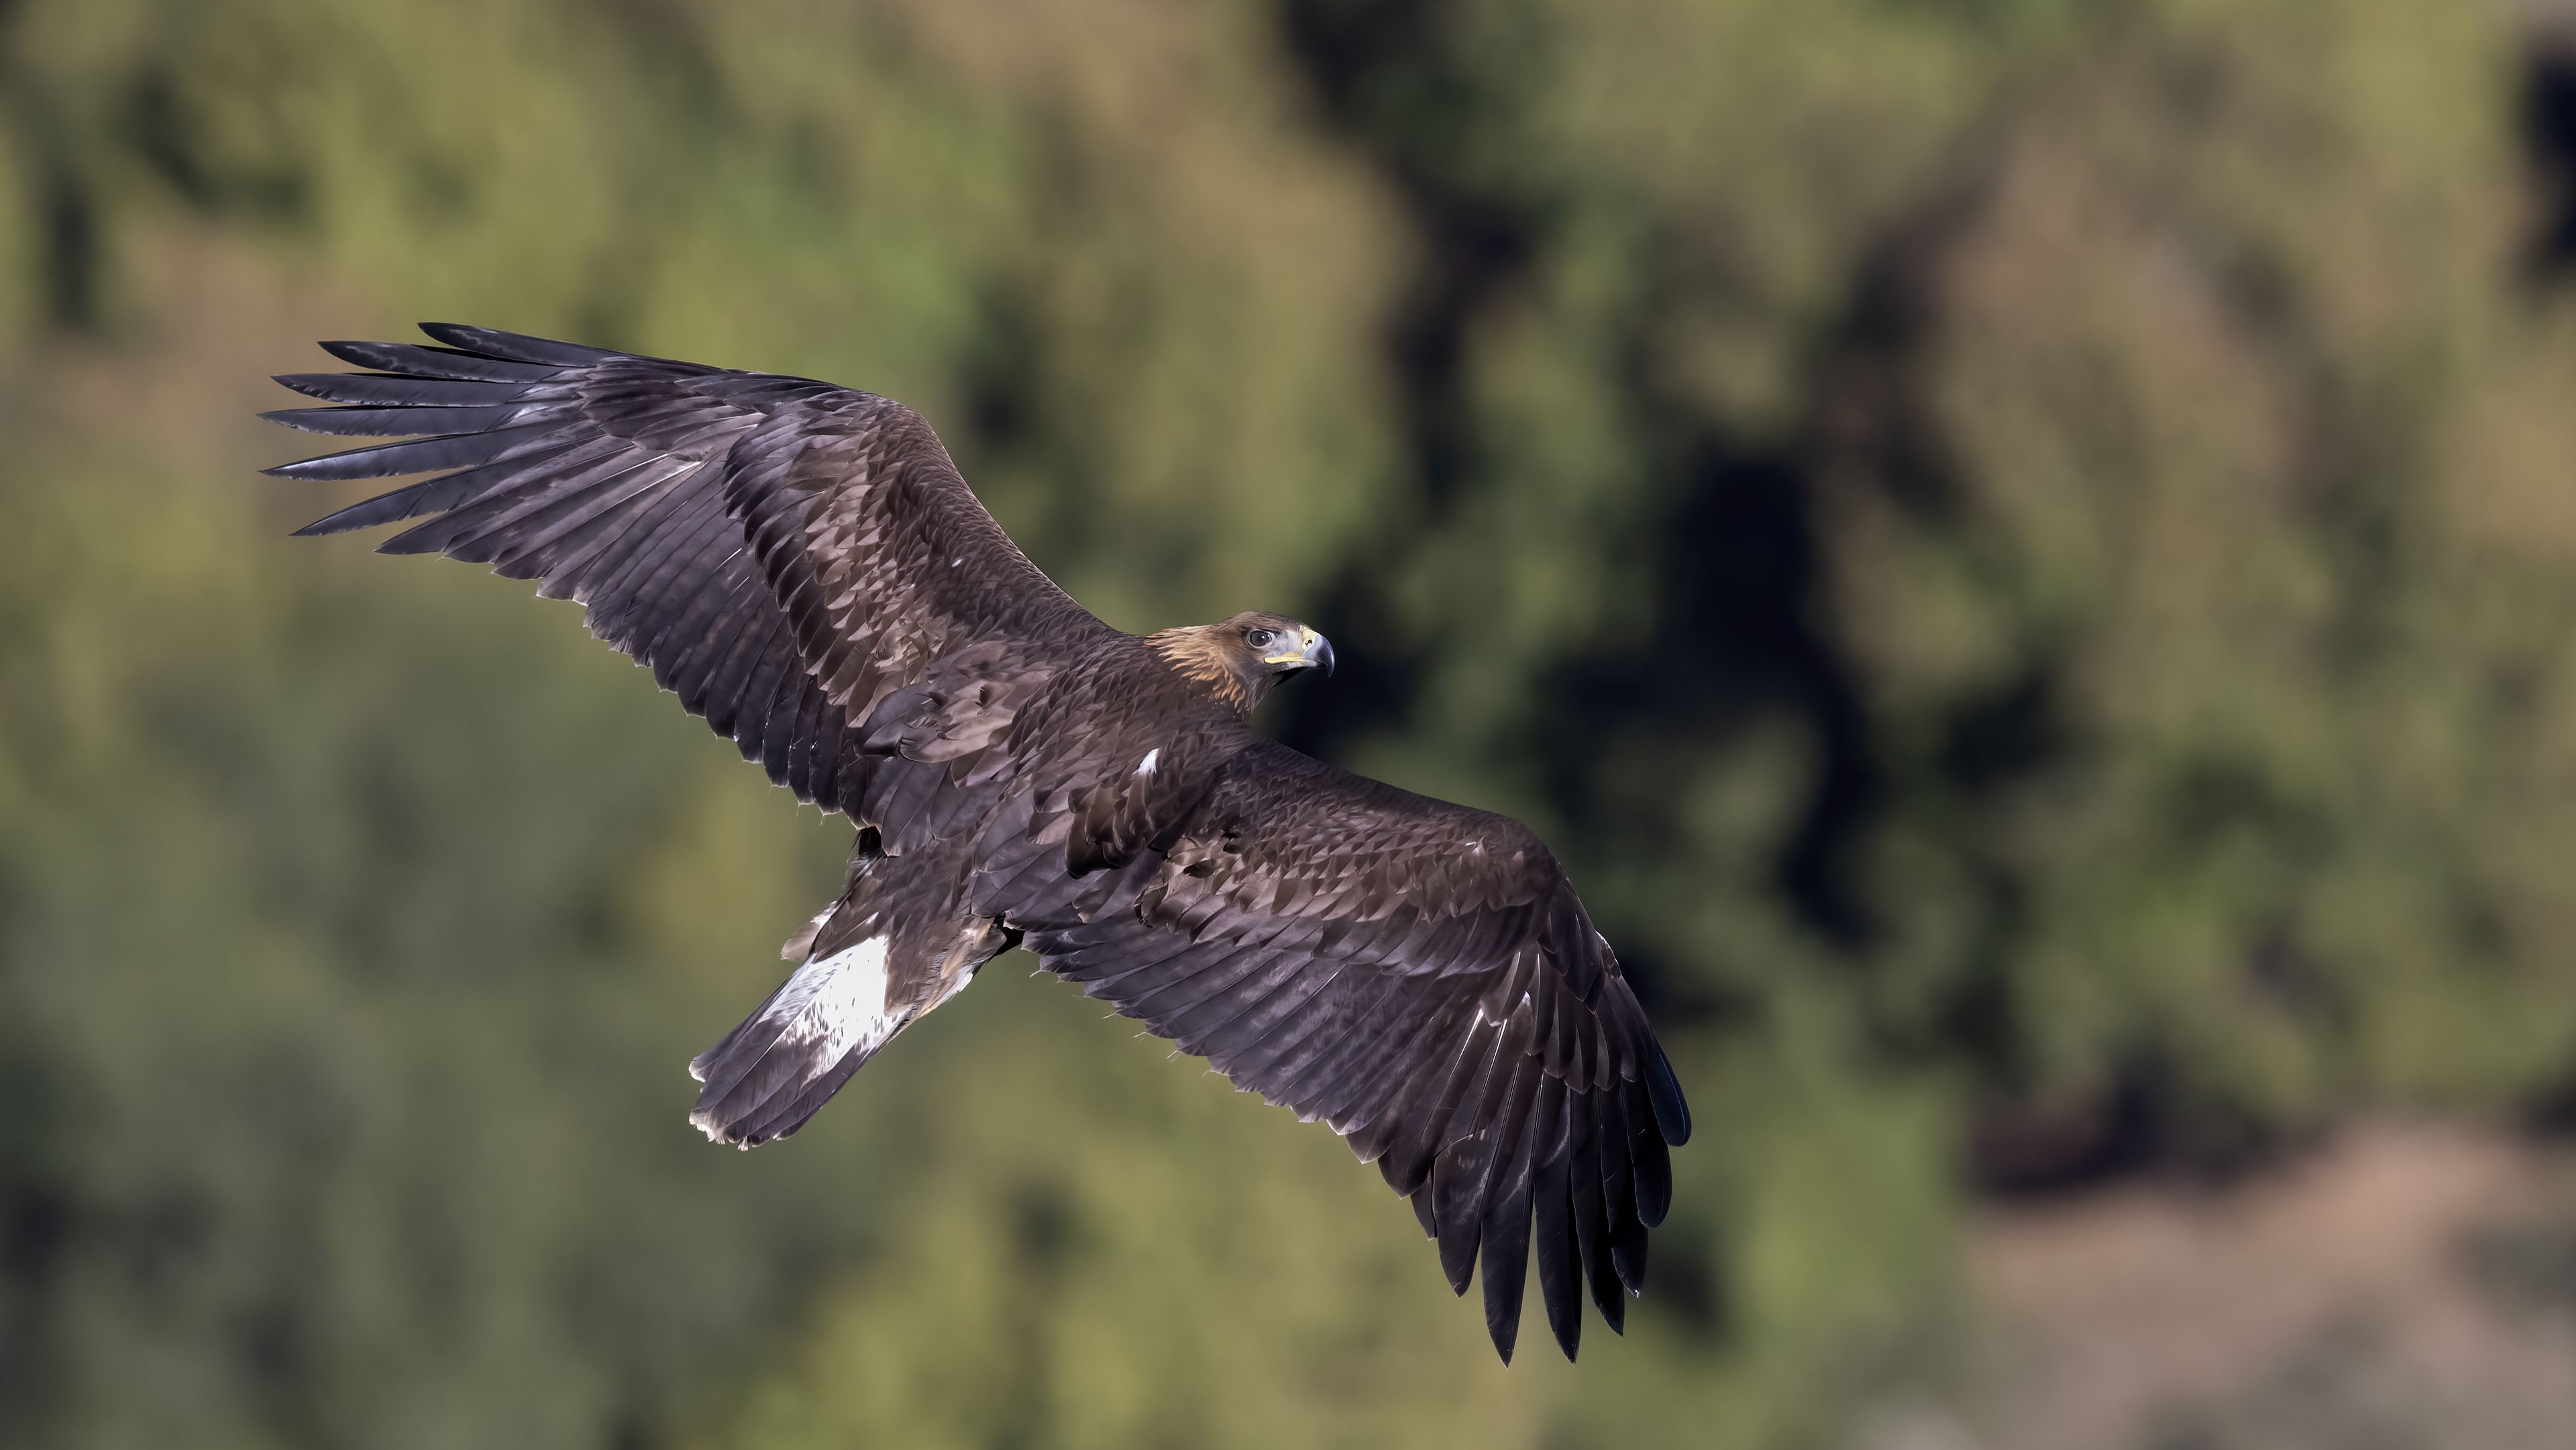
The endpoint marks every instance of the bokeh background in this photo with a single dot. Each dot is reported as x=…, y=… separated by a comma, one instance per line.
x=2024, y=551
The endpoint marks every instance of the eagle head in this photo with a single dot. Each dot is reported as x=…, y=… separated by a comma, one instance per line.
x=1241, y=658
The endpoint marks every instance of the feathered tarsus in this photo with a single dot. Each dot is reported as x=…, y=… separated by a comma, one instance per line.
x=802, y=564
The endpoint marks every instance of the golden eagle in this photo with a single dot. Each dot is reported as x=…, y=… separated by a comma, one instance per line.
x=803, y=565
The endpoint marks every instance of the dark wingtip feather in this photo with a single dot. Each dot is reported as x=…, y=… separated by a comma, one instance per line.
x=429, y=538
x=383, y=357
x=1459, y=1267
x=1653, y=1166
x=1628, y=1256
x=513, y=346
x=384, y=508
x=381, y=461
x=1553, y=1236
x=380, y=390
x=400, y=420
x=1609, y=1300
x=410, y=360
x=1506, y=1271
x=420, y=455
x=1672, y=1112
x=352, y=422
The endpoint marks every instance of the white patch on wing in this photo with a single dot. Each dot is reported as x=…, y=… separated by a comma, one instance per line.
x=1146, y=765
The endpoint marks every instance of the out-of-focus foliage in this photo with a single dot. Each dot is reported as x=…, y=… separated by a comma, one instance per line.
x=2020, y=549
x=2219, y=643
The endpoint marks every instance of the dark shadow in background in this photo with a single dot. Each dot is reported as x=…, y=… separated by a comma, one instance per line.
x=1736, y=563
x=2549, y=140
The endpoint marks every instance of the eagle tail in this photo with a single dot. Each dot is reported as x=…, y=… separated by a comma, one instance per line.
x=891, y=949
x=784, y=1061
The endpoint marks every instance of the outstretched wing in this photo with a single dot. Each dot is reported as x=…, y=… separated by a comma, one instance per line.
x=1420, y=976
x=782, y=553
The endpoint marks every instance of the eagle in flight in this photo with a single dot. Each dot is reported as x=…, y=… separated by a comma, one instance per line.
x=805, y=568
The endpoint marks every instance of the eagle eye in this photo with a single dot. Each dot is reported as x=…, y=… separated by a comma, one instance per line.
x=1259, y=638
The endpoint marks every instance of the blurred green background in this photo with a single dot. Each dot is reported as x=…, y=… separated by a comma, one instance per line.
x=2024, y=552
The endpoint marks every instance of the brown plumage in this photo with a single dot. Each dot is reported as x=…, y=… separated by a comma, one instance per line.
x=803, y=566
x=1226, y=656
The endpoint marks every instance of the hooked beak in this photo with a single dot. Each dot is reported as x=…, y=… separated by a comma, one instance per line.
x=1313, y=652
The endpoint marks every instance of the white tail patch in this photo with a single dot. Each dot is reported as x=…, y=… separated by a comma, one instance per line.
x=831, y=1007
x=838, y=1002
x=1146, y=765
